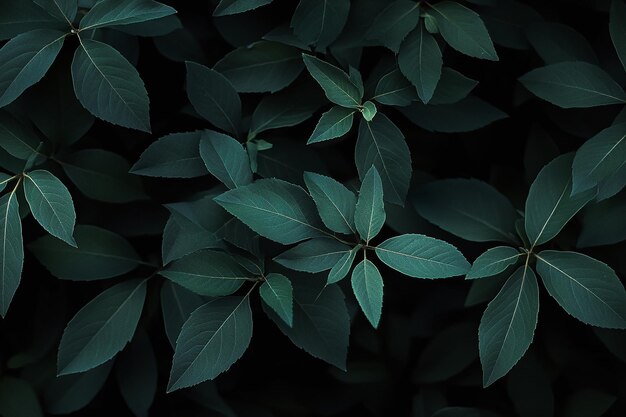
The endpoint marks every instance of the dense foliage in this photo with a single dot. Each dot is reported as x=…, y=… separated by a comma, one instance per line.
x=393, y=187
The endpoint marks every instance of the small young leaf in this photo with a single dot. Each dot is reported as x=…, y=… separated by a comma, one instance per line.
x=394, y=23
x=226, y=159
x=369, y=215
x=368, y=111
x=420, y=61
x=11, y=250
x=335, y=203
x=493, y=262
x=123, y=12
x=173, y=156
x=277, y=293
x=367, y=285
x=617, y=27
x=315, y=255
x=319, y=22
x=336, y=83
x=335, y=123
x=229, y=7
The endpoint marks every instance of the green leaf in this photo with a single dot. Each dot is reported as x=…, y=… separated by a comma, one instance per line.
x=123, y=12
x=342, y=267
x=315, y=255
x=277, y=293
x=319, y=22
x=99, y=254
x=604, y=223
x=25, y=59
x=207, y=273
x=275, y=209
x=102, y=175
x=599, y=158
x=368, y=111
x=617, y=28
x=226, y=159
x=173, y=156
x=508, y=325
x=102, y=327
x=586, y=288
x=549, y=205
x=573, y=84
x=213, y=97
x=229, y=7
x=213, y=338
x=420, y=61
x=421, y=256
x=51, y=204
x=122, y=98
x=63, y=10
x=555, y=42
x=394, y=23
x=452, y=87
x=369, y=215
x=18, y=398
x=381, y=144
x=393, y=89
x=18, y=139
x=334, y=123
x=335, y=203
x=463, y=30
x=261, y=67
x=494, y=261
x=11, y=250
x=490, y=217
x=177, y=304
x=367, y=285
x=336, y=84
x=19, y=16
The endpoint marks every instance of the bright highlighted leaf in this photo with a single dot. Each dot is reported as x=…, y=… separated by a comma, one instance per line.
x=367, y=285
x=335, y=203
x=493, y=262
x=368, y=111
x=226, y=159
x=123, y=12
x=335, y=82
x=315, y=255
x=11, y=250
x=335, y=123
x=369, y=216
x=277, y=293
x=342, y=267
x=420, y=61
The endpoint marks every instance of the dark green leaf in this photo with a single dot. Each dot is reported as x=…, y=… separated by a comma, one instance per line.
x=336, y=84
x=226, y=159
x=177, y=304
x=555, y=42
x=18, y=398
x=228, y=7
x=17, y=138
x=277, y=293
x=335, y=123
x=19, y=16
x=420, y=61
x=394, y=89
x=63, y=10
x=494, y=261
x=394, y=23
x=335, y=203
x=123, y=12
x=342, y=267
x=617, y=27
x=315, y=255
x=452, y=87
x=367, y=285
x=369, y=215
x=11, y=250
x=319, y=22
x=604, y=223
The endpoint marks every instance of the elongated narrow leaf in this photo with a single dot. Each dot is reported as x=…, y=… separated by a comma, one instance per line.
x=394, y=23
x=123, y=12
x=11, y=250
x=122, y=98
x=25, y=59
x=101, y=328
x=617, y=27
x=508, y=325
x=586, y=288
x=394, y=89
x=549, y=205
x=464, y=30
x=319, y=22
x=604, y=223
x=277, y=293
x=369, y=216
x=63, y=10
x=381, y=144
x=208, y=273
x=229, y=7
x=340, y=270
x=177, y=304
x=420, y=61
x=173, y=156
x=226, y=159
x=491, y=217
x=51, y=204
x=573, y=84
x=315, y=255
x=493, y=262
x=335, y=123
x=367, y=284
x=336, y=84
x=275, y=209
x=213, y=97
x=335, y=203
x=213, y=338
x=421, y=256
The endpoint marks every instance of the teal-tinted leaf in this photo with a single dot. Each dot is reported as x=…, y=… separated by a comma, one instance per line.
x=157, y=27
x=599, y=158
x=321, y=324
x=4, y=180
x=617, y=27
x=208, y=273
x=555, y=42
x=367, y=285
x=335, y=203
x=228, y=7
x=213, y=338
x=63, y=10
x=174, y=156
x=381, y=144
x=463, y=30
x=51, y=204
x=613, y=184
x=261, y=67
x=213, y=97
x=549, y=205
x=102, y=327
x=335, y=123
x=493, y=262
x=277, y=293
x=420, y=61
x=319, y=22
x=18, y=399
x=123, y=12
x=122, y=98
x=573, y=84
x=99, y=254
x=452, y=87
x=335, y=82
x=369, y=215
x=490, y=217
x=17, y=138
x=394, y=89
x=421, y=256
x=357, y=79
x=177, y=304
x=342, y=267
x=368, y=111
x=11, y=250
x=394, y=23
x=275, y=209
x=102, y=175
x=226, y=159
x=25, y=59
x=508, y=325
x=604, y=223
x=19, y=16
x=586, y=288
x=315, y=255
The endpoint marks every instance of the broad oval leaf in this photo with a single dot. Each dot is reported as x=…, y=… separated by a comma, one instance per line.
x=336, y=84
x=226, y=159
x=421, y=256
x=319, y=22
x=123, y=12
x=334, y=123
x=367, y=284
x=177, y=304
x=102, y=327
x=315, y=255
x=11, y=250
x=335, y=203
x=494, y=261
x=394, y=23
x=229, y=7
x=369, y=215
x=420, y=61
x=277, y=293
